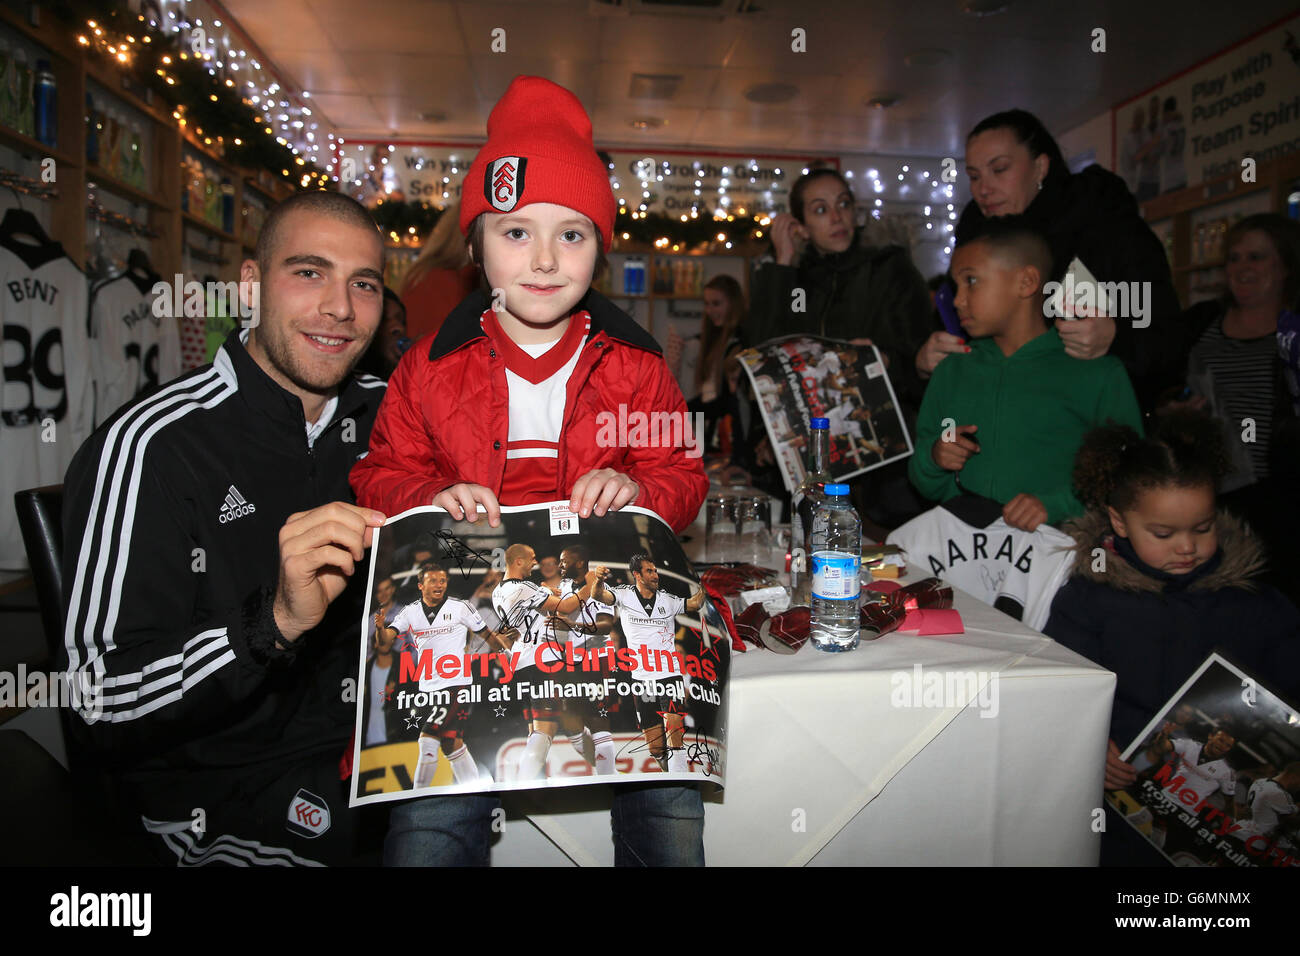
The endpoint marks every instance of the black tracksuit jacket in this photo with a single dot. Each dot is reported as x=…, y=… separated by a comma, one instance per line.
x=172, y=514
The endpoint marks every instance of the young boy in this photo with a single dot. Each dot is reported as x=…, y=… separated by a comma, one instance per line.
x=501, y=407
x=1005, y=420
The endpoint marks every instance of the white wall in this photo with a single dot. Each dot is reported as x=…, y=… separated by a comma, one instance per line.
x=1094, y=134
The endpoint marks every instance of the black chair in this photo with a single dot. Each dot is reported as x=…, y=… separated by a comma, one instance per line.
x=46, y=799
x=40, y=517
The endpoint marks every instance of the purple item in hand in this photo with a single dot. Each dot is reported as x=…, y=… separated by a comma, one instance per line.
x=1288, y=347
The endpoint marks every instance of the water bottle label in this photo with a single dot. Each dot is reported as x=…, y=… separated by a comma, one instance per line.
x=835, y=575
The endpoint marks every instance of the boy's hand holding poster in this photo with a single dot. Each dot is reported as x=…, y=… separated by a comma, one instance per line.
x=1218, y=774
x=799, y=377
x=552, y=650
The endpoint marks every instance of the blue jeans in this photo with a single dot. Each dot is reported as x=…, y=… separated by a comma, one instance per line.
x=653, y=825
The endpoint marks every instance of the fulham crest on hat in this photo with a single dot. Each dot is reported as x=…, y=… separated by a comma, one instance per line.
x=503, y=183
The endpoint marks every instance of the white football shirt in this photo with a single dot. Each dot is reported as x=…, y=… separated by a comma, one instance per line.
x=585, y=614
x=48, y=393
x=518, y=604
x=653, y=629
x=1202, y=779
x=135, y=350
x=1267, y=801
x=447, y=632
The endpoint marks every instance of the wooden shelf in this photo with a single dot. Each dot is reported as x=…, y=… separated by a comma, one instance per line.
x=198, y=222
x=114, y=86
x=52, y=38
x=1179, y=208
x=207, y=152
x=268, y=194
x=102, y=177
x=34, y=147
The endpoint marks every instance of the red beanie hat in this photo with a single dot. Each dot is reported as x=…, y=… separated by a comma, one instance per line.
x=539, y=149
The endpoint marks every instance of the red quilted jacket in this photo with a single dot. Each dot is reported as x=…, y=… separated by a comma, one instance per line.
x=445, y=417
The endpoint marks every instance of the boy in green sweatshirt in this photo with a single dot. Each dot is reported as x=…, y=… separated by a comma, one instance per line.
x=1005, y=419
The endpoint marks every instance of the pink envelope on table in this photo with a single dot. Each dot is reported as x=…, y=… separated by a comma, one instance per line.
x=933, y=622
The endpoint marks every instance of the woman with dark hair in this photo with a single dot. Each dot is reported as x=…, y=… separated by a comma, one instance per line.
x=1091, y=220
x=1235, y=355
x=826, y=281
x=850, y=290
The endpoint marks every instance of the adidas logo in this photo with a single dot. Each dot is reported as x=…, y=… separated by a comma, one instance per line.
x=235, y=506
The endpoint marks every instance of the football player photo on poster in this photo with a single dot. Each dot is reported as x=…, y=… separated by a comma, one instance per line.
x=549, y=651
x=799, y=377
x=1218, y=774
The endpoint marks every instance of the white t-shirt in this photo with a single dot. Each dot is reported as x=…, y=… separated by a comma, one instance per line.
x=518, y=604
x=585, y=614
x=135, y=350
x=446, y=633
x=48, y=395
x=1267, y=801
x=1202, y=779
x=1003, y=566
x=841, y=423
x=653, y=629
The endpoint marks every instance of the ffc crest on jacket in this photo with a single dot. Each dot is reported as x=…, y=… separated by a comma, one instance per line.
x=966, y=542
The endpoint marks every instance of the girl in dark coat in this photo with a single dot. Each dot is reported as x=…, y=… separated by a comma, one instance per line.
x=1160, y=580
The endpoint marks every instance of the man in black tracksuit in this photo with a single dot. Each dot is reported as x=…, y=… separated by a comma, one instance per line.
x=209, y=568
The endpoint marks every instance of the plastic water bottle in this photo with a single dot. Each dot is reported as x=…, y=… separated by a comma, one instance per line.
x=836, y=566
x=805, y=501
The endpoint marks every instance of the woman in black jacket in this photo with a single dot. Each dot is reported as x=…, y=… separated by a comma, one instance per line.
x=1014, y=167
x=826, y=281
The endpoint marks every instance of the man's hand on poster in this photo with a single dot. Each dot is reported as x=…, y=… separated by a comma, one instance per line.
x=1025, y=512
x=319, y=551
x=594, y=586
x=936, y=348
x=1118, y=773
x=788, y=238
x=1088, y=336
x=763, y=453
x=602, y=490
x=461, y=500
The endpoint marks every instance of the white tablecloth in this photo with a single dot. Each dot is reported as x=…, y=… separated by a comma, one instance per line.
x=825, y=767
